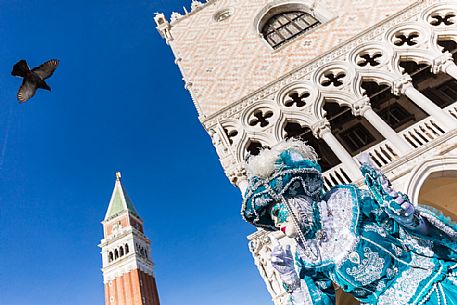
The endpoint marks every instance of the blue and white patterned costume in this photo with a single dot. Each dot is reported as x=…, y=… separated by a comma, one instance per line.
x=361, y=240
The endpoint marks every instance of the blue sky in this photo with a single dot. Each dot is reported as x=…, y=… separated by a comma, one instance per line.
x=117, y=103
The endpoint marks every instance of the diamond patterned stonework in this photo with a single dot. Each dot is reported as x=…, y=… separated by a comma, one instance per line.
x=347, y=70
x=225, y=61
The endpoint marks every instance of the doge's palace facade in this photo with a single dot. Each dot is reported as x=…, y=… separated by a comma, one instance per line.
x=347, y=76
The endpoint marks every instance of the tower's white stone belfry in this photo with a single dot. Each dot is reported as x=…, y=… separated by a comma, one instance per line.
x=347, y=76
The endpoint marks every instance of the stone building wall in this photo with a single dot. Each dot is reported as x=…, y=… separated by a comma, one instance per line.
x=225, y=61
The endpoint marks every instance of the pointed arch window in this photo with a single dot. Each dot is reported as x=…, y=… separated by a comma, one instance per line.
x=285, y=26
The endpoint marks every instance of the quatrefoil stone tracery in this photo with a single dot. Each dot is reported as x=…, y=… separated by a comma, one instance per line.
x=231, y=134
x=260, y=118
x=440, y=19
x=296, y=98
x=333, y=78
x=405, y=39
x=369, y=59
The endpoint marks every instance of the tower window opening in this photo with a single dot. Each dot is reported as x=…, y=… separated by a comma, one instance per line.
x=285, y=26
x=126, y=249
x=116, y=254
x=121, y=251
x=110, y=257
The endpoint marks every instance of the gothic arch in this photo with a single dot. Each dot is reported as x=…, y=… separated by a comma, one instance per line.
x=424, y=170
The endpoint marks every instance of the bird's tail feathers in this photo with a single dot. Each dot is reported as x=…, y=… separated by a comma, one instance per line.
x=20, y=68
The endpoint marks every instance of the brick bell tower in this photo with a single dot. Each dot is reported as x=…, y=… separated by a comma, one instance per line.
x=128, y=274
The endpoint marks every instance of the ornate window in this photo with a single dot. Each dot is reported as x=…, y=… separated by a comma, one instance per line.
x=357, y=138
x=397, y=111
x=284, y=26
x=395, y=115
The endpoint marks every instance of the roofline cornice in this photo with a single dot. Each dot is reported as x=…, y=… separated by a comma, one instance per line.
x=192, y=12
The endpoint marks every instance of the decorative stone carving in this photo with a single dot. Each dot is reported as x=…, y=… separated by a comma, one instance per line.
x=195, y=5
x=259, y=247
x=216, y=139
x=237, y=174
x=399, y=85
x=361, y=106
x=175, y=16
x=320, y=128
x=440, y=63
x=163, y=26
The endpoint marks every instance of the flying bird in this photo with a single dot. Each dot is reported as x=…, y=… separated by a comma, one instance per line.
x=33, y=79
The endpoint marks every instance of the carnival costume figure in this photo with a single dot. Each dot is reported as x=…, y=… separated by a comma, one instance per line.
x=374, y=244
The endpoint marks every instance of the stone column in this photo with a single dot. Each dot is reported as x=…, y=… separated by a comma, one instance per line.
x=444, y=63
x=322, y=130
x=405, y=86
x=363, y=108
x=238, y=176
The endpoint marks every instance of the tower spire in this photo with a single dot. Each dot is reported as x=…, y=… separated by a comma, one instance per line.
x=120, y=202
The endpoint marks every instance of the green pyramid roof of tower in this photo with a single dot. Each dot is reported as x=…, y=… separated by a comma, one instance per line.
x=120, y=201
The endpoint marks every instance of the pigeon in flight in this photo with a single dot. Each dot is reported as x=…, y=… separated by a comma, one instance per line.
x=33, y=79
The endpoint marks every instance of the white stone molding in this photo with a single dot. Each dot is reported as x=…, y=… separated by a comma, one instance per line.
x=420, y=173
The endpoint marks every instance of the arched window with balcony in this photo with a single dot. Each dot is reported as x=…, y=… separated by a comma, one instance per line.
x=397, y=111
x=439, y=88
x=356, y=134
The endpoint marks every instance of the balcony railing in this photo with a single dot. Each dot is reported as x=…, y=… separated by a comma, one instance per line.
x=417, y=135
x=422, y=132
x=334, y=176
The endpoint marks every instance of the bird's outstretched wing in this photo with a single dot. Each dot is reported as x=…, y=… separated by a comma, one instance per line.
x=45, y=70
x=26, y=91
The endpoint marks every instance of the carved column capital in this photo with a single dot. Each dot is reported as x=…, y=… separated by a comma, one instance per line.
x=361, y=106
x=400, y=85
x=237, y=174
x=440, y=63
x=321, y=128
x=217, y=140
